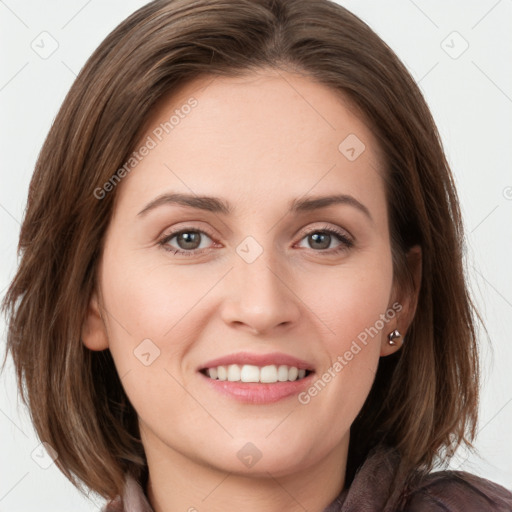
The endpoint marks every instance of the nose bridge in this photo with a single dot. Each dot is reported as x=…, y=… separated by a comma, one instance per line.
x=259, y=296
x=260, y=279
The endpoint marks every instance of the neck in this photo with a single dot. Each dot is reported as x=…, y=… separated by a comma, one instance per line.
x=178, y=483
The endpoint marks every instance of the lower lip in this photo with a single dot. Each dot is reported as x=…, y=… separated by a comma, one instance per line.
x=259, y=393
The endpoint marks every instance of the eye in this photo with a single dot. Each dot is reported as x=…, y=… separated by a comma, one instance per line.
x=189, y=241
x=321, y=239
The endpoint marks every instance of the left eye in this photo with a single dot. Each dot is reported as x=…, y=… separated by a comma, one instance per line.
x=189, y=241
x=324, y=237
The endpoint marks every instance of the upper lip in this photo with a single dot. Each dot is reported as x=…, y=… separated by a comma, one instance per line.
x=241, y=358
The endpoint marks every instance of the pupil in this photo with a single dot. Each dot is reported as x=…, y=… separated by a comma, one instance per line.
x=318, y=236
x=190, y=240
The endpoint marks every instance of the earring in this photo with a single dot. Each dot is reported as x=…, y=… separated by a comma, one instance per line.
x=392, y=336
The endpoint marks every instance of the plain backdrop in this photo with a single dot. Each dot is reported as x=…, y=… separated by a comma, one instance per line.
x=459, y=52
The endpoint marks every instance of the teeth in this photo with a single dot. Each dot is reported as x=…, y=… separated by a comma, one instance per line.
x=251, y=373
x=233, y=372
x=282, y=373
x=268, y=374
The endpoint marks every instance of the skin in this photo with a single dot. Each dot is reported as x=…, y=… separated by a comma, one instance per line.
x=257, y=143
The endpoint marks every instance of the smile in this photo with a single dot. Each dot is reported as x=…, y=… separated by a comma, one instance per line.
x=250, y=373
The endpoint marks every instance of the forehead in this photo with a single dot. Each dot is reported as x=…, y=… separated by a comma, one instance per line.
x=267, y=136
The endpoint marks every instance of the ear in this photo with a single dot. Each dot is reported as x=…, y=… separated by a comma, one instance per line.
x=407, y=298
x=94, y=333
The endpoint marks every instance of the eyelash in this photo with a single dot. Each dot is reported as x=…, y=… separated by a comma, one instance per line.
x=346, y=242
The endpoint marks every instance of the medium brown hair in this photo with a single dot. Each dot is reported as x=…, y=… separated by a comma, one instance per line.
x=424, y=398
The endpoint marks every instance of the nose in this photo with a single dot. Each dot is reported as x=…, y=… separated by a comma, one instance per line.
x=259, y=297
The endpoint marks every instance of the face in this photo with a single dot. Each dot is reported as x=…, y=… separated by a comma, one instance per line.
x=261, y=284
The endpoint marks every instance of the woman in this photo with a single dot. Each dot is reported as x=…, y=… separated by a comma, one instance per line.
x=183, y=343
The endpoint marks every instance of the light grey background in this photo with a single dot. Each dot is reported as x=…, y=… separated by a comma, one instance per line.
x=468, y=89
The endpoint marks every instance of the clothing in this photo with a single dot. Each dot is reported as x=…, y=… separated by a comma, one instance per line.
x=443, y=491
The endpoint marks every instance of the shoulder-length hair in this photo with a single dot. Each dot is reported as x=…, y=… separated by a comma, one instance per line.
x=424, y=398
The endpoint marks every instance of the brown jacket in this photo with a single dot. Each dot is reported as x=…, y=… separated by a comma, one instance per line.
x=443, y=491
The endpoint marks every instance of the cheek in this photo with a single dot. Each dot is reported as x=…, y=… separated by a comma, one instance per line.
x=156, y=314
x=152, y=301
x=338, y=393
x=351, y=300
x=354, y=310
x=153, y=321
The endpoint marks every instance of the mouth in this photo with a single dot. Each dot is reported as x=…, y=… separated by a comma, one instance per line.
x=252, y=378
x=268, y=374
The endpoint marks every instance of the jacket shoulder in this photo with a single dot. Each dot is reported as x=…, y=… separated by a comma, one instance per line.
x=458, y=491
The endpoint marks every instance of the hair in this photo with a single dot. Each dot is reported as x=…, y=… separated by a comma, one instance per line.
x=424, y=399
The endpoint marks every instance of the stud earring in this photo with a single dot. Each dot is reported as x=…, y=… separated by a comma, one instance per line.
x=392, y=336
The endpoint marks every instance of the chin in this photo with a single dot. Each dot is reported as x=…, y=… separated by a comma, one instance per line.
x=257, y=456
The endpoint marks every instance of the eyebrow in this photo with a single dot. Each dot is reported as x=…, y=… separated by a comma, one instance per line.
x=218, y=205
